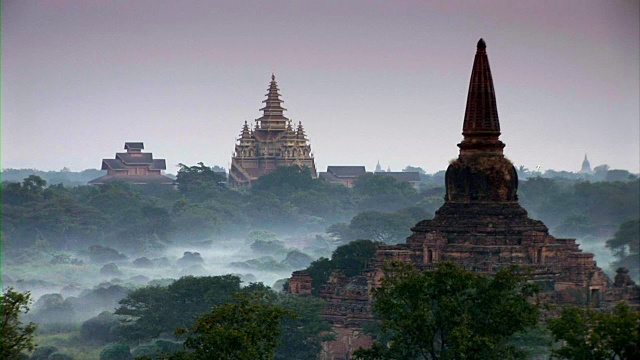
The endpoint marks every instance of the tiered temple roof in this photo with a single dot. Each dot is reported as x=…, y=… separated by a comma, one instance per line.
x=272, y=143
x=134, y=167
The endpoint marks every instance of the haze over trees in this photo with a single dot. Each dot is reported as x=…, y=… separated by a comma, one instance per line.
x=127, y=231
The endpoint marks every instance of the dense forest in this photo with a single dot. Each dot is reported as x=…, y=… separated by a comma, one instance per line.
x=123, y=271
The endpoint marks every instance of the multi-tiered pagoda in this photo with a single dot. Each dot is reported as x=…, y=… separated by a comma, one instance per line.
x=272, y=143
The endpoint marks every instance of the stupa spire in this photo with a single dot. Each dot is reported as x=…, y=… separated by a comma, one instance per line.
x=481, y=128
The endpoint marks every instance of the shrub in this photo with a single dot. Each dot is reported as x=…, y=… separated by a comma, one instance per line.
x=169, y=346
x=59, y=356
x=100, y=328
x=143, y=262
x=146, y=350
x=190, y=258
x=116, y=352
x=110, y=269
x=43, y=352
x=103, y=254
x=51, y=309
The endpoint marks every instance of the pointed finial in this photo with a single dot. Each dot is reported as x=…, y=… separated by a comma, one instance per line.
x=273, y=77
x=481, y=44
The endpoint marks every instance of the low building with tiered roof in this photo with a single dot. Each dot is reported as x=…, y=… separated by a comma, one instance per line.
x=134, y=167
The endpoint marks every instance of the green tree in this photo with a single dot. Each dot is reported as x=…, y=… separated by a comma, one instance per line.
x=301, y=336
x=116, y=352
x=450, y=313
x=383, y=227
x=375, y=192
x=285, y=180
x=199, y=182
x=153, y=310
x=319, y=270
x=351, y=259
x=625, y=245
x=246, y=329
x=15, y=336
x=589, y=334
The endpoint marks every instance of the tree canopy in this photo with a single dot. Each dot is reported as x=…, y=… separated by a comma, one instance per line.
x=15, y=336
x=153, y=310
x=351, y=259
x=450, y=313
x=245, y=329
x=625, y=245
x=597, y=335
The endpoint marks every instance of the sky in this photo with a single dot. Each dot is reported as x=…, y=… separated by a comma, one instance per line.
x=370, y=80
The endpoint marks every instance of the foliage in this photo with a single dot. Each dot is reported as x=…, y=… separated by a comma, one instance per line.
x=199, y=182
x=43, y=352
x=100, y=328
x=154, y=310
x=378, y=226
x=375, y=192
x=133, y=218
x=626, y=246
x=580, y=206
x=319, y=270
x=382, y=227
x=116, y=352
x=51, y=309
x=247, y=328
x=450, y=313
x=301, y=336
x=269, y=247
x=592, y=334
x=351, y=259
x=285, y=180
x=15, y=336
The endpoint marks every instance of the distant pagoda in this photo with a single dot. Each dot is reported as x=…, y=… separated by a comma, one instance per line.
x=586, y=166
x=270, y=144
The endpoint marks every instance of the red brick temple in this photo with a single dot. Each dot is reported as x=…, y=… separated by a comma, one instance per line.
x=481, y=227
x=270, y=144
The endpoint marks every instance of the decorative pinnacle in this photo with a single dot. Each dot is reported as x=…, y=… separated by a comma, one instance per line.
x=273, y=77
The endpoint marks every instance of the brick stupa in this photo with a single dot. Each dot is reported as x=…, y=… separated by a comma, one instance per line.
x=481, y=227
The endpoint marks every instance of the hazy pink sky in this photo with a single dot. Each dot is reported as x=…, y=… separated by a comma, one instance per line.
x=370, y=80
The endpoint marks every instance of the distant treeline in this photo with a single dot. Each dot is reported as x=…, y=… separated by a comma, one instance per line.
x=287, y=201
x=67, y=177
x=64, y=176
